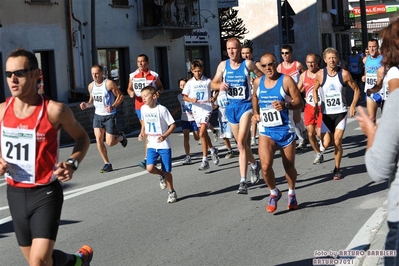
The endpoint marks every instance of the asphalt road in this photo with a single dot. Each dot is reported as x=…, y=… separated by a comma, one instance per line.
x=124, y=216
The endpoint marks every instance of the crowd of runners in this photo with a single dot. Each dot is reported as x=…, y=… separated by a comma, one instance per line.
x=260, y=103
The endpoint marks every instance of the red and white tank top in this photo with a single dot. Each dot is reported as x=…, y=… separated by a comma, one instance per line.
x=293, y=71
x=308, y=84
x=29, y=145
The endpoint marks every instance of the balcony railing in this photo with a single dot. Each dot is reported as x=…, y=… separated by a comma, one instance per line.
x=164, y=14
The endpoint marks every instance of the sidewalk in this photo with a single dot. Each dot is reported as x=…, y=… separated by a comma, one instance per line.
x=371, y=237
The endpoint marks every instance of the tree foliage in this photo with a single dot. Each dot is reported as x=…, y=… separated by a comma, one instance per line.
x=230, y=26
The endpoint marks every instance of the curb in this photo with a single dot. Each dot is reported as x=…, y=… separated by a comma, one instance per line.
x=370, y=237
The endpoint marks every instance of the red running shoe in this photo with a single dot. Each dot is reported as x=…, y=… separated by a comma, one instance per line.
x=86, y=254
x=272, y=205
x=292, y=203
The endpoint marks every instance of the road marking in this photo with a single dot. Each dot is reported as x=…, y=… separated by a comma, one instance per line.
x=80, y=191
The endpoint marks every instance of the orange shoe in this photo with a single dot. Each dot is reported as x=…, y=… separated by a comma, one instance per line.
x=272, y=205
x=86, y=254
x=292, y=203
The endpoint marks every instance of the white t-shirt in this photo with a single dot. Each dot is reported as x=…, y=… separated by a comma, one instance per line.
x=200, y=89
x=156, y=121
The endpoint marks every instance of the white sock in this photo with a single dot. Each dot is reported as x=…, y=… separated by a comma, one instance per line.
x=212, y=150
x=204, y=159
x=291, y=191
x=253, y=165
x=274, y=192
x=243, y=179
x=299, y=133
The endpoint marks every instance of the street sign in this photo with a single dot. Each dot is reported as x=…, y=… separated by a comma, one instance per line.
x=286, y=9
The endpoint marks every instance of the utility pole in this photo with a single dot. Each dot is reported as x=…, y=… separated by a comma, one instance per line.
x=280, y=24
x=363, y=21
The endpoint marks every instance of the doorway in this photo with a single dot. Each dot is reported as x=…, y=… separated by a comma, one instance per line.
x=161, y=64
x=198, y=52
x=47, y=82
x=113, y=62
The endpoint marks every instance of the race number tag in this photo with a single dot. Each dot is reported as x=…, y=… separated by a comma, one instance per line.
x=236, y=92
x=270, y=117
x=18, y=147
x=333, y=103
x=138, y=85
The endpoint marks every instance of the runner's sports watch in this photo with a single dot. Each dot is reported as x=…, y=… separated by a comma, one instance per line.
x=74, y=163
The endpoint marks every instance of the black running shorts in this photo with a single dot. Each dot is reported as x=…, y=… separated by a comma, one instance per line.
x=35, y=212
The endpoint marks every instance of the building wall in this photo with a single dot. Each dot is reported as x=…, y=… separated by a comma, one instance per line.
x=309, y=24
x=35, y=28
x=44, y=27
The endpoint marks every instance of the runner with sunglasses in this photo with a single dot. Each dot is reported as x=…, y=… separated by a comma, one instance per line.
x=30, y=126
x=275, y=97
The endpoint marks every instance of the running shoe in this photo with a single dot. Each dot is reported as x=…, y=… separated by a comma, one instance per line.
x=292, y=203
x=255, y=173
x=216, y=135
x=253, y=142
x=337, y=174
x=215, y=157
x=124, y=140
x=230, y=154
x=85, y=253
x=301, y=145
x=162, y=183
x=187, y=160
x=319, y=159
x=242, y=188
x=204, y=166
x=143, y=164
x=106, y=168
x=172, y=197
x=272, y=205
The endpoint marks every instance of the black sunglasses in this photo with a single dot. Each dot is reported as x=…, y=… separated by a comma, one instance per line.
x=285, y=52
x=269, y=65
x=18, y=73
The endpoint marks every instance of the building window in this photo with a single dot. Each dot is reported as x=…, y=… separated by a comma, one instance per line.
x=120, y=3
x=324, y=6
x=113, y=62
x=41, y=2
x=326, y=40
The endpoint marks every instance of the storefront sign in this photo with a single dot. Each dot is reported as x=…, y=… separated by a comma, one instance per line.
x=197, y=37
x=370, y=10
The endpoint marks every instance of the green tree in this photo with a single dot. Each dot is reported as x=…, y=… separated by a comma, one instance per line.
x=230, y=26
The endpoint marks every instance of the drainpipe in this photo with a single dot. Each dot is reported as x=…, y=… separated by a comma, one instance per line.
x=81, y=61
x=93, y=33
x=71, y=63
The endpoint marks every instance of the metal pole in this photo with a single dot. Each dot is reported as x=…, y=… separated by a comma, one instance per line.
x=363, y=21
x=280, y=25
